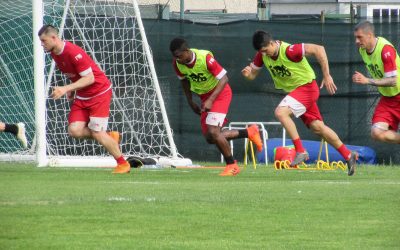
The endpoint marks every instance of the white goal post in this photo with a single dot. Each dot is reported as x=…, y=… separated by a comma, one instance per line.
x=112, y=33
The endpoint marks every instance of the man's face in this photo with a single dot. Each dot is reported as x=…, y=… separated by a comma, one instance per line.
x=183, y=56
x=48, y=41
x=269, y=50
x=363, y=39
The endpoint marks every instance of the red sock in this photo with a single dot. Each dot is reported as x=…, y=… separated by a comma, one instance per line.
x=298, y=145
x=120, y=160
x=344, y=151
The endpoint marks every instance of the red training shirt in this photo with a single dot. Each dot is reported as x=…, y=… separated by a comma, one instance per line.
x=75, y=63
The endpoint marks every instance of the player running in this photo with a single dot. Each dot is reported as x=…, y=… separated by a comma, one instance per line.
x=292, y=73
x=201, y=74
x=383, y=64
x=91, y=93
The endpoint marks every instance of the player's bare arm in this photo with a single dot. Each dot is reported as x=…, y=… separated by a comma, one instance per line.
x=84, y=81
x=359, y=78
x=319, y=53
x=71, y=95
x=250, y=73
x=210, y=100
x=186, y=89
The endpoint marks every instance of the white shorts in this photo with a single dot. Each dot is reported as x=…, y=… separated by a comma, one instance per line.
x=98, y=123
x=297, y=108
x=215, y=119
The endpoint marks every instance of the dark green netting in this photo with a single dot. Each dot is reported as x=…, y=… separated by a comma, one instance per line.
x=348, y=112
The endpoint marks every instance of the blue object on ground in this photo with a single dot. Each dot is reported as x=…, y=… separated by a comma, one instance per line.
x=366, y=154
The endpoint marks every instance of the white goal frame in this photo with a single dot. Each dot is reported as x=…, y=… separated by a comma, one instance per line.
x=39, y=148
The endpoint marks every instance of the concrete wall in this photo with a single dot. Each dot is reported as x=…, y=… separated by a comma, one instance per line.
x=302, y=9
x=371, y=7
x=232, y=6
x=277, y=7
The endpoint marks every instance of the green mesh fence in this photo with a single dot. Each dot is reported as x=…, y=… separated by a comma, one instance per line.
x=348, y=112
x=16, y=69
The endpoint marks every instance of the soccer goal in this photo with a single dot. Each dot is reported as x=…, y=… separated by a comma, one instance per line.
x=112, y=33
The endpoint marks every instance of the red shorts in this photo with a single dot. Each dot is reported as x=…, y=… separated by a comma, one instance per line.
x=98, y=106
x=220, y=105
x=388, y=111
x=308, y=95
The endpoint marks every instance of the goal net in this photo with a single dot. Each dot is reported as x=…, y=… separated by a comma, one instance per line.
x=112, y=33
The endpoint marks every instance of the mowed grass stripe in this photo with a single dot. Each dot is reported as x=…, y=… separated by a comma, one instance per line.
x=47, y=208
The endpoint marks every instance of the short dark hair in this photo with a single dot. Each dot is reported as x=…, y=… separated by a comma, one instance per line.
x=178, y=44
x=47, y=29
x=365, y=26
x=261, y=39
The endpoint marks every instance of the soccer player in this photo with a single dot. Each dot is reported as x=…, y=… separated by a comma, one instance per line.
x=292, y=73
x=383, y=64
x=201, y=74
x=90, y=90
x=18, y=130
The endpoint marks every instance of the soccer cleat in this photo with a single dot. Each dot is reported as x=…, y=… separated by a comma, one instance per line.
x=300, y=157
x=351, y=163
x=254, y=136
x=230, y=170
x=21, y=136
x=122, y=168
x=115, y=135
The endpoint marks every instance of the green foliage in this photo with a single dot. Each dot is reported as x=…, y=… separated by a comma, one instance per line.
x=64, y=208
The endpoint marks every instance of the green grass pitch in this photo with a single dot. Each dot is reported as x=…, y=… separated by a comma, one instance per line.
x=86, y=208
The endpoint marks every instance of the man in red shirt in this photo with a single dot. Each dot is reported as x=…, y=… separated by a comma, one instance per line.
x=201, y=74
x=291, y=72
x=90, y=91
x=18, y=130
x=383, y=64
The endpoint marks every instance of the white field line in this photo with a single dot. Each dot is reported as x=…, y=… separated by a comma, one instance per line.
x=328, y=182
x=31, y=203
x=140, y=182
x=128, y=199
x=349, y=182
x=46, y=203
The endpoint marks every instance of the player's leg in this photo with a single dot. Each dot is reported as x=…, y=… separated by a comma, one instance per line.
x=330, y=136
x=214, y=136
x=319, y=128
x=89, y=119
x=21, y=135
x=78, y=122
x=79, y=130
x=297, y=103
x=102, y=110
x=313, y=119
x=386, y=119
x=18, y=130
x=95, y=129
x=98, y=128
x=380, y=131
x=284, y=112
x=78, y=119
x=103, y=138
x=211, y=123
x=284, y=116
x=221, y=105
x=252, y=133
